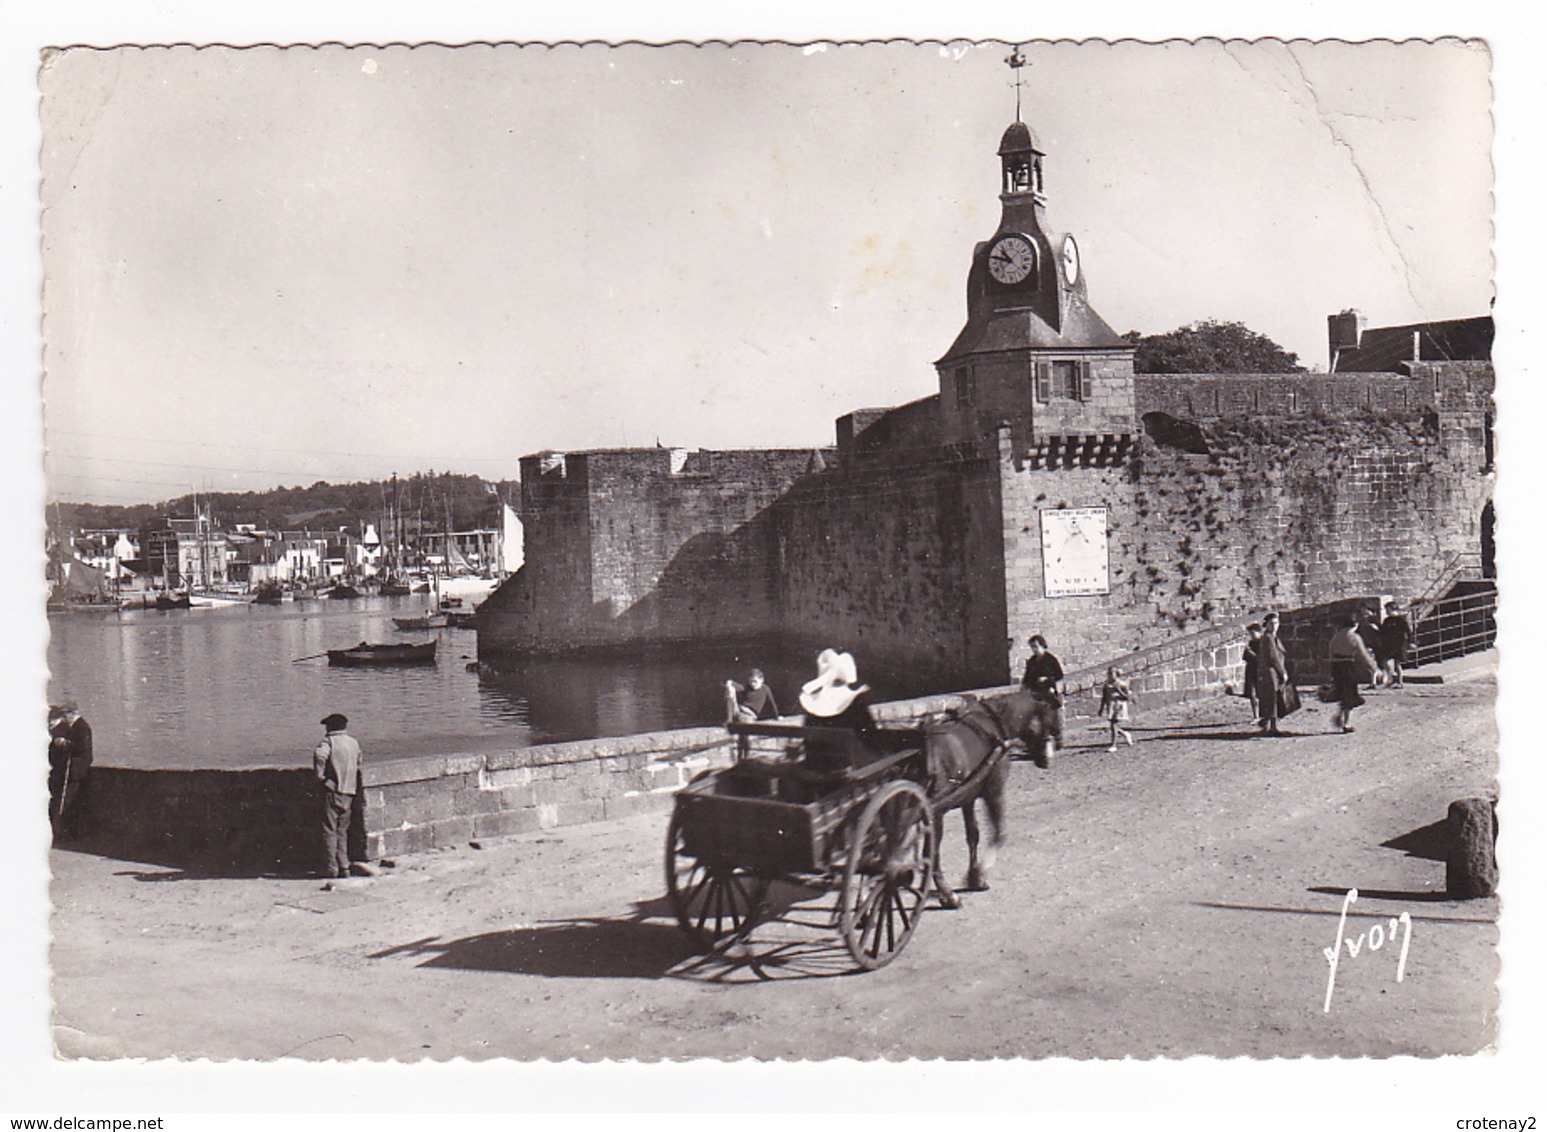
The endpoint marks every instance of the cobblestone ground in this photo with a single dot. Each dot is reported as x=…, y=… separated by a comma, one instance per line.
x=1169, y=899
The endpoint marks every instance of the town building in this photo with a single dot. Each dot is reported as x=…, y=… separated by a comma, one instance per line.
x=182, y=553
x=1351, y=348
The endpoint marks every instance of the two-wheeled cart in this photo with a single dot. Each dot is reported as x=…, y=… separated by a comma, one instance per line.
x=869, y=830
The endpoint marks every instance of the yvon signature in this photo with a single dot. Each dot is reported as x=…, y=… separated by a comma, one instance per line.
x=1376, y=938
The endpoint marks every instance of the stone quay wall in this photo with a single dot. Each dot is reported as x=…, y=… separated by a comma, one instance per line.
x=222, y=821
x=266, y=821
x=436, y=801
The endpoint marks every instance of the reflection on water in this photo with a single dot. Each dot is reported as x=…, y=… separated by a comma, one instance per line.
x=229, y=687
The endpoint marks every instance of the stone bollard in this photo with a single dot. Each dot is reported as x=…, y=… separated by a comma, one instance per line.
x=1470, y=868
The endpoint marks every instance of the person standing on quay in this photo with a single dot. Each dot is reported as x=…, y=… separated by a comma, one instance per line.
x=1352, y=664
x=1042, y=678
x=1369, y=632
x=69, y=764
x=337, y=762
x=1249, y=657
x=1271, y=674
x=1396, y=634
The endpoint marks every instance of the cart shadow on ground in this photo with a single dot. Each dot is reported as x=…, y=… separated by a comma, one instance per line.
x=795, y=938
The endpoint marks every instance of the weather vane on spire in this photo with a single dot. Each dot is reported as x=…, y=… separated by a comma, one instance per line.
x=1015, y=61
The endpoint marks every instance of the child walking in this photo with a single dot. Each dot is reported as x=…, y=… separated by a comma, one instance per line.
x=1115, y=698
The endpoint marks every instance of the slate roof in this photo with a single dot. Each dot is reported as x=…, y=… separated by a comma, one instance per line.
x=1018, y=138
x=1083, y=329
x=1383, y=349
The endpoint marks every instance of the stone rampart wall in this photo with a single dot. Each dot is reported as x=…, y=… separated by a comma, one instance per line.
x=550, y=597
x=1277, y=490
x=642, y=545
x=899, y=565
x=1453, y=387
x=1278, y=514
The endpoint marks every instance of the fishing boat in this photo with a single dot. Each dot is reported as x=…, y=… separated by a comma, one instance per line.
x=84, y=605
x=206, y=599
x=428, y=621
x=464, y=619
x=173, y=601
x=343, y=590
x=269, y=593
x=365, y=655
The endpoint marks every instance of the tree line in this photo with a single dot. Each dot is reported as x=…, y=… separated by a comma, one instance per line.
x=428, y=501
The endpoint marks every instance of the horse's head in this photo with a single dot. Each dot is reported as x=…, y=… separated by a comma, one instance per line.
x=1023, y=716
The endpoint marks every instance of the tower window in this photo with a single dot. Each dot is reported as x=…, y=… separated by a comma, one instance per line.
x=1063, y=381
x=965, y=391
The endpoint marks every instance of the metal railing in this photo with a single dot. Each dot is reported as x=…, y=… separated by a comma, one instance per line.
x=1465, y=566
x=1464, y=622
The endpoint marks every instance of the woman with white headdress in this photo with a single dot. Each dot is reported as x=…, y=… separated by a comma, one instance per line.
x=837, y=700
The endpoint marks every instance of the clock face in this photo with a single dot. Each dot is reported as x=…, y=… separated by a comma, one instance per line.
x=1071, y=257
x=1011, y=260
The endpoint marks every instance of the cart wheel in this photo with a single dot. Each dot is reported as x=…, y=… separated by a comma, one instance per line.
x=887, y=877
x=714, y=902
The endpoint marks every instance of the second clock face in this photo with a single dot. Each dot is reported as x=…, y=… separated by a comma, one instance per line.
x=1011, y=260
x=1071, y=260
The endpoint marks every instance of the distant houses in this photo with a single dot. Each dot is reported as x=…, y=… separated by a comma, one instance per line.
x=196, y=553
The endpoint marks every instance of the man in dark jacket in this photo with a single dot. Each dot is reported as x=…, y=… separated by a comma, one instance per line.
x=1043, y=678
x=69, y=764
x=336, y=761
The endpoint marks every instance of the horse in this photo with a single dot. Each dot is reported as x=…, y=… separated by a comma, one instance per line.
x=955, y=747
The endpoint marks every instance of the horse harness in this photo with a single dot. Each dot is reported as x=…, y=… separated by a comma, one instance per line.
x=982, y=721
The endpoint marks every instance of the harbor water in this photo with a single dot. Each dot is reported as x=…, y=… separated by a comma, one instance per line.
x=226, y=686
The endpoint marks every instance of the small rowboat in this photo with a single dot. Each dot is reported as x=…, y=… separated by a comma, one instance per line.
x=363, y=655
x=411, y=624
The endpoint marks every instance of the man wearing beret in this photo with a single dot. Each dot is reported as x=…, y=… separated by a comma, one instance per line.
x=337, y=762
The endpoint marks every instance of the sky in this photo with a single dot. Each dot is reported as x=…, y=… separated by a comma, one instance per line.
x=270, y=267
x=1174, y=150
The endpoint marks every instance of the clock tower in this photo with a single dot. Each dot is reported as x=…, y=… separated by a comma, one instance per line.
x=1034, y=353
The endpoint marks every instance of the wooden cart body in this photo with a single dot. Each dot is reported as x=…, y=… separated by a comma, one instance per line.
x=776, y=820
x=868, y=829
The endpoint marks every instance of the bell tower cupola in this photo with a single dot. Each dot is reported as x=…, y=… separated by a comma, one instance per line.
x=1034, y=353
x=1021, y=162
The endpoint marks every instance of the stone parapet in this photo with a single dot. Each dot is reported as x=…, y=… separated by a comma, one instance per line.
x=435, y=801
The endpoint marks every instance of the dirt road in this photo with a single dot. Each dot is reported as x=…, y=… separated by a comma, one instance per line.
x=1170, y=899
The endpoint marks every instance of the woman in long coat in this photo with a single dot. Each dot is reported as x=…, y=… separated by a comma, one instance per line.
x=1352, y=664
x=1271, y=673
